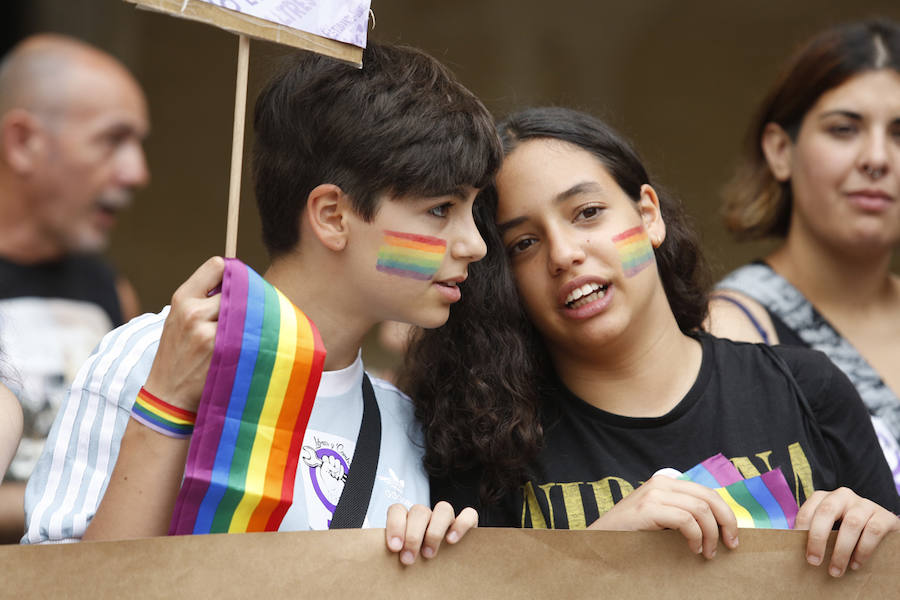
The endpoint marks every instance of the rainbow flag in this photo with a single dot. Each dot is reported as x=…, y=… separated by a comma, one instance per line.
x=634, y=249
x=410, y=255
x=762, y=502
x=265, y=370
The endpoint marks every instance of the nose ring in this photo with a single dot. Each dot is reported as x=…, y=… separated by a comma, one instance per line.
x=874, y=173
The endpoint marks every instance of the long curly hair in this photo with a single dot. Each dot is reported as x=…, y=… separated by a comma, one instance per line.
x=478, y=382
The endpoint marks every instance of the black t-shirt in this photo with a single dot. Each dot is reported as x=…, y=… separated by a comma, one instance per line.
x=761, y=407
x=81, y=277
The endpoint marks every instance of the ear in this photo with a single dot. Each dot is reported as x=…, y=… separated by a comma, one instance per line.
x=22, y=140
x=777, y=146
x=651, y=215
x=327, y=209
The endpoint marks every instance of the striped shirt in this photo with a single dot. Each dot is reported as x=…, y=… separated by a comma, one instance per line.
x=74, y=469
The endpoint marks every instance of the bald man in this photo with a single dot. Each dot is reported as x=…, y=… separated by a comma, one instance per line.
x=72, y=123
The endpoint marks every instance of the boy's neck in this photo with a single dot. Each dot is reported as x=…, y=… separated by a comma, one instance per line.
x=318, y=292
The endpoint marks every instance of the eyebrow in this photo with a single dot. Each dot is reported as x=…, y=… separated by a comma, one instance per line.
x=844, y=113
x=585, y=187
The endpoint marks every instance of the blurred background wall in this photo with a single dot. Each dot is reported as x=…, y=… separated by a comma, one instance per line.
x=679, y=77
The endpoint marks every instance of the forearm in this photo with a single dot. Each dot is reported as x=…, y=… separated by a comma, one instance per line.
x=142, y=489
x=12, y=512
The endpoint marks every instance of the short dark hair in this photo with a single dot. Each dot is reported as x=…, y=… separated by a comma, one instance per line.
x=400, y=125
x=756, y=204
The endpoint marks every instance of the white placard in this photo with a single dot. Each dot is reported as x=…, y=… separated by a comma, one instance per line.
x=341, y=20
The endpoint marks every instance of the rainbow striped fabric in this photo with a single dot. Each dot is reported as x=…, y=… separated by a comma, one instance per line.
x=762, y=502
x=410, y=255
x=263, y=377
x=635, y=249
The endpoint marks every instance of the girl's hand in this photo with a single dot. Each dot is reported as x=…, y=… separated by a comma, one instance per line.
x=863, y=525
x=665, y=503
x=406, y=531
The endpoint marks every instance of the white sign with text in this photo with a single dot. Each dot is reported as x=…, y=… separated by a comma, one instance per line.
x=341, y=20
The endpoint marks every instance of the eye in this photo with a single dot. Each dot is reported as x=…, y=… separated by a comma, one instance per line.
x=842, y=130
x=588, y=212
x=441, y=210
x=520, y=246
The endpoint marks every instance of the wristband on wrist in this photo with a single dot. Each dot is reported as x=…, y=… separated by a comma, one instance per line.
x=162, y=417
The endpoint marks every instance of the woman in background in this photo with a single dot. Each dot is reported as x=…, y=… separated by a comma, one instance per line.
x=571, y=371
x=821, y=171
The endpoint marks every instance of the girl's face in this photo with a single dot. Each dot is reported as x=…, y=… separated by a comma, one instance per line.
x=844, y=166
x=580, y=249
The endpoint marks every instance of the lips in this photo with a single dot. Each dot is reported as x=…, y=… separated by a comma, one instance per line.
x=578, y=289
x=870, y=200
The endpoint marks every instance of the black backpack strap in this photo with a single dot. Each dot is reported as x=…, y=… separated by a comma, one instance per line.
x=351, y=509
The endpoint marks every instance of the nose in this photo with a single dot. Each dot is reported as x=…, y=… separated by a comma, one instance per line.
x=468, y=245
x=563, y=252
x=873, y=156
x=133, y=171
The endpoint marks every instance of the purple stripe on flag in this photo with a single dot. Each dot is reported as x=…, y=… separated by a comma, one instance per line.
x=219, y=380
x=760, y=492
x=777, y=484
x=722, y=470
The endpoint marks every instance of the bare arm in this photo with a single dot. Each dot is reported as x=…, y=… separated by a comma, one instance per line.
x=129, y=303
x=12, y=493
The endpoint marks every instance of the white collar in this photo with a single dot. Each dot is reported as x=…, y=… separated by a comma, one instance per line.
x=336, y=383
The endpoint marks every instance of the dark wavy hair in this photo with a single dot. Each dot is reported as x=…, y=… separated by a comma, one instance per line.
x=756, y=204
x=478, y=382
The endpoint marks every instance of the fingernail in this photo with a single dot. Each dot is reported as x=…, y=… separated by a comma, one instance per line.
x=453, y=537
x=712, y=554
x=734, y=542
x=395, y=544
x=427, y=552
x=854, y=565
x=834, y=572
x=407, y=558
x=813, y=559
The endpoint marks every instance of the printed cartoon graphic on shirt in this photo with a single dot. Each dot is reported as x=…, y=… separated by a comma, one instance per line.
x=327, y=463
x=44, y=342
x=577, y=504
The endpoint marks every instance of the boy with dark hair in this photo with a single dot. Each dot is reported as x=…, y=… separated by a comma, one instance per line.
x=345, y=160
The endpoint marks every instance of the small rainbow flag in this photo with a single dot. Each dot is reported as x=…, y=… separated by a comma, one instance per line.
x=763, y=502
x=635, y=249
x=410, y=255
x=263, y=377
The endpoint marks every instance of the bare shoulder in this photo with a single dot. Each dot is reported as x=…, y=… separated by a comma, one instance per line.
x=728, y=318
x=10, y=426
x=10, y=409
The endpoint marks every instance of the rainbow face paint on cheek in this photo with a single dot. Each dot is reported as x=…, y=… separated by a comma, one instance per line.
x=410, y=255
x=634, y=249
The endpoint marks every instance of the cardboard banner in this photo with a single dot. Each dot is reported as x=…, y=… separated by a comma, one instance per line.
x=283, y=21
x=488, y=563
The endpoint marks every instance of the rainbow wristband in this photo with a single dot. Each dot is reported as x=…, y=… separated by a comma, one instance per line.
x=162, y=417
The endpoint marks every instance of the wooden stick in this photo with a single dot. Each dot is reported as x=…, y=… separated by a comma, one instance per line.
x=237, y=146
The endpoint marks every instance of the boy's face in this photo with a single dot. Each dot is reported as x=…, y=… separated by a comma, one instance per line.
x=412, y=256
